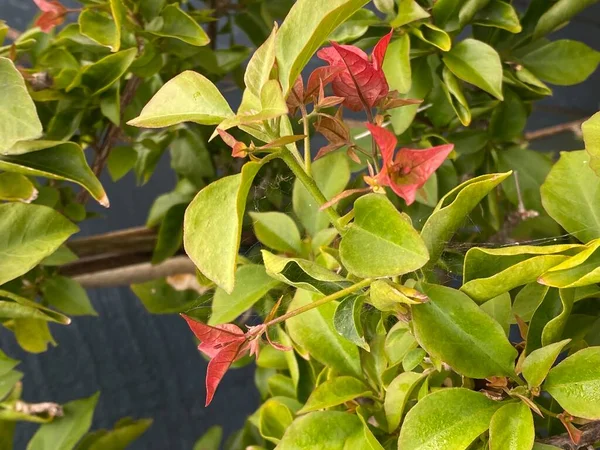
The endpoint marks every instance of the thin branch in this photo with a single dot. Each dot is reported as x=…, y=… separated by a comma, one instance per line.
x=136, y=239
x=590, y=435
x=573, y=126
x=137, y=273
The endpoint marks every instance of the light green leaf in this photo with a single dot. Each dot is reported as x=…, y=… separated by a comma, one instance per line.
x=125, y=432
x=175, y=23
x=102, y=74
x=68, y=296
x=191, y=158
x=335, y=391
x=381, y=242
x=314, y=332
x=433, y=35
x=387, y=296
x=60, y=161
x=274, y=419
x=19, y=120
x=591, y=136
x=499, y=14
x=477, y=63
x=100, y=27
x=408, y=11
x=512, y=428
x=170, y=234
x=64, y=432
x=22, y=307
x=260, y=65
x=452, y=210
x=452, y=328
x=33, y=335
x=6, y=364
x=211, y=440
x=559, y=13
x=553, y=330
x=355, y=27
x=213, y=224
x=499, y=309
x=277, y=231
x=159, y=297
x=398, y=342
x=490, y=272
x=396, y=64
x=8, y=381
x=347, y=320
x=189, y=97
x=16, y=187
x=571, y=195
x=331, y=430
x=469, y=9
x=303, y=274
x=453, y=91
x=252, y=284
x=447, y=419
x=575, y=383
x=305, y=28
x=580, y=270
x=445, y=13
x=528, y=299
x=397, y=395
x=563, y=62
x=539, y=362
x=28, y=234
x=332, y=174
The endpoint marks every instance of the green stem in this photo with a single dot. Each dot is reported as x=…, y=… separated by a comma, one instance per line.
x=546, y=411
x=322, y=301
x=307, y=155
x=311, y=187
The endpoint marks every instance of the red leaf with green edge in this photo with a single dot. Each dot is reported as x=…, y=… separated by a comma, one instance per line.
x=218, y=366
x=53, y=14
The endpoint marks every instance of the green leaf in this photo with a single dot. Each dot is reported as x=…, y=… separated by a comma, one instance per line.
x=303, y=274
x=591, y=136
x=278, y=231
x=509, y=118
x=260, y=65
x=381, y=242
x=331, y=430
x=6, y=364
x=444, y=11
x=8, y=381
x=273, y=420
x=68, y=296
x=452, y=211
x=28, y=234
x=33, y=335
x=575, y=383
x=332, y=174
x=125, y=432
x=305, y=28
x=469, y=9
x=580, y=270
x=170, y=234
x=213, y=225
x=452, y=328
x=100, y=27
x=398, y=342
x=499, y=309
x=491, y=272
x=64, y=432
x=314, y=332
x=449, y=418
x=110, y=105
x=387, y=296
x=102, y=74
x=19, y=120
x=512, y=428
x=456, y=98
x=355, y=27
x=159, y=297
x=211, y=440
x=396, y=65
x=176, y=23
x=528, y=299
x=22, y=307
x=408, y=11
x=16, y=187
x=539, y=362
x=572, y=178
x=60, y=161
x=347, y=320
x=433, y=35
x=563, y=62
x=559, y=13
x=252, y=284
x=397, y=395
x=477, y=63
x=190, y=157
x=335, y=391
x=499, y=14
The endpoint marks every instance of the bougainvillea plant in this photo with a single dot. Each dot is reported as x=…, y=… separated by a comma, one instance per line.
x=388, y=304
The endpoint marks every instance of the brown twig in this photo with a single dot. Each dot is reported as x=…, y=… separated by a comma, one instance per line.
x=136, y=239
x=573, y=126
x=590, y=434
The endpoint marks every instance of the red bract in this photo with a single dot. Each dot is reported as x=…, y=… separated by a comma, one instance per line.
x=410, y=168
x=53, y=14
x=223, y=344
x=361, y=80
x=238, y=149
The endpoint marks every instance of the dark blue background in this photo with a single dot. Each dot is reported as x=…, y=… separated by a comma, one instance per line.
x=147, y=366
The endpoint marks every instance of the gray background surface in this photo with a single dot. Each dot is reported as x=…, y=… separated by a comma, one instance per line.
x=147, y=366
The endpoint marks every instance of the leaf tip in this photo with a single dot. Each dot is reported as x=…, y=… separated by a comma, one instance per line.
x=104, y=201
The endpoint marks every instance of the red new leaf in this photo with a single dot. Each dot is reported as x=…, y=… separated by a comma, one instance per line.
x=238, y=149
x=214, y=336
x=410, y=168
x=335, y=131
x=53, y=14
x=321, y=76
x=361, y=81
x=296, y=96
x=218, y=366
